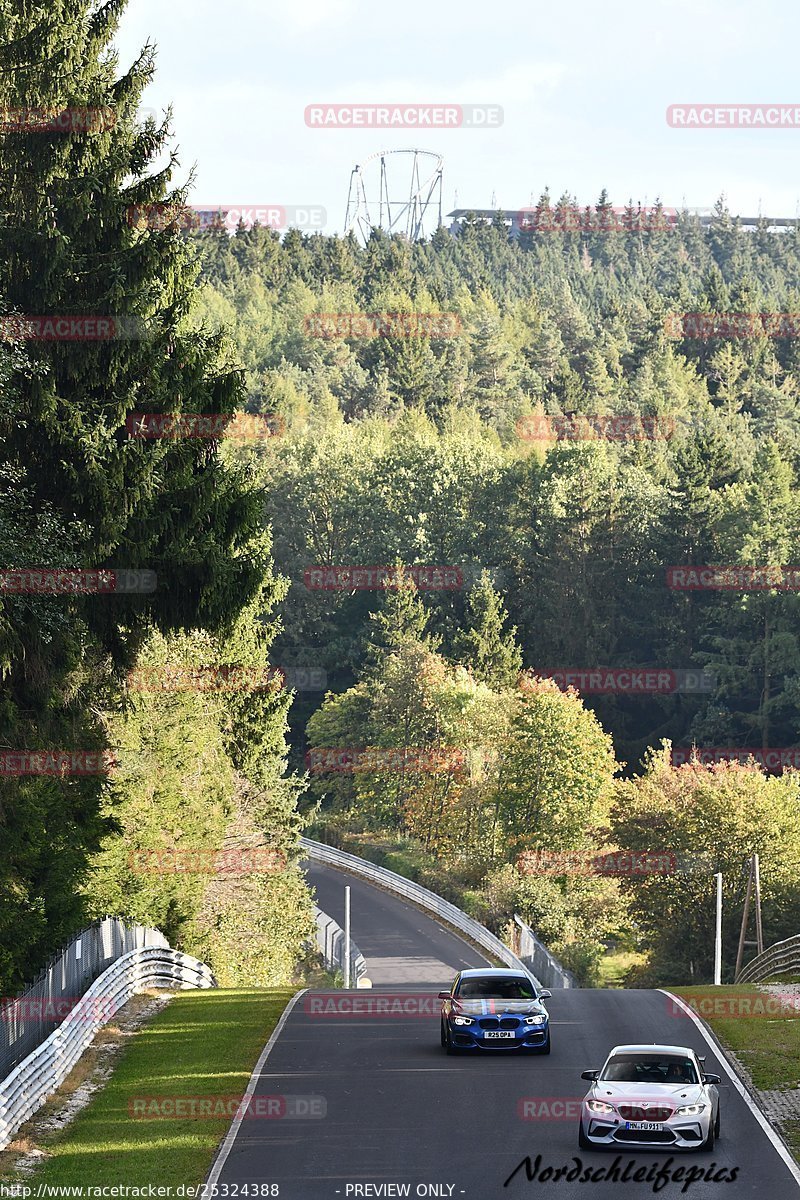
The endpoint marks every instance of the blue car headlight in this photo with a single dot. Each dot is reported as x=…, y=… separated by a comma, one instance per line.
x=535, y=1020
x=463, y=1021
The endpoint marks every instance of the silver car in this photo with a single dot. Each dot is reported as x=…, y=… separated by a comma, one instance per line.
x=652, y=1096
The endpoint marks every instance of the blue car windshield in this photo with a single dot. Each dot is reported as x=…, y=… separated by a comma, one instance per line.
x=638, y=1068
x=513, y=988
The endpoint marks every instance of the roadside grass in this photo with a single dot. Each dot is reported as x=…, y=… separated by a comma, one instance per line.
x=613, y=967
x=767, y=1046
x=791, y=1131
x=203, y=1043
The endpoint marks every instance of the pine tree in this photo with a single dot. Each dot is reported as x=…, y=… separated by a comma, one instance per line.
x=752, y=639
x=490, y=651
x=74, y=244
x=400, y=620
x=76, y=213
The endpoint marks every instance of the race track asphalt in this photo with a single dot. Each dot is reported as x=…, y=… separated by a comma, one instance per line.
x=401, y=1118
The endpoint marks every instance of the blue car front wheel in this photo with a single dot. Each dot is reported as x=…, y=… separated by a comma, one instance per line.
x=447, y=1039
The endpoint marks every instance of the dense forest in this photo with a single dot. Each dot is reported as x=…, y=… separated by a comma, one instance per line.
x=513, y=442
x=536, y=415
x=195, y=770
x=435, y=450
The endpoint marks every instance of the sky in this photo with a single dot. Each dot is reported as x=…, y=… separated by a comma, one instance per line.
x=584, y=89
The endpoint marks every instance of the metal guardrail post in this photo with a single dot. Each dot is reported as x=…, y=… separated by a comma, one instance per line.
x=330, y=940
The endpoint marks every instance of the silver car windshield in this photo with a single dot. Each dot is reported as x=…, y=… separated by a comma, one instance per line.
x=641, y=1068
x=515, y=988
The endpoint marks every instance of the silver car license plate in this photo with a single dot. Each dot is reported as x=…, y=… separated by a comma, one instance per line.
x=648, y=1126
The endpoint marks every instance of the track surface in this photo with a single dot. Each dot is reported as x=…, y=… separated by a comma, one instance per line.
x=400, y=1112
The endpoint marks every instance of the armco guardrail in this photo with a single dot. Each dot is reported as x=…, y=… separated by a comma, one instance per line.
x=35, y=1079
x=425, y=899
x=330, y=939
x=31, y=1017
x=781, y=959
x=538, y=959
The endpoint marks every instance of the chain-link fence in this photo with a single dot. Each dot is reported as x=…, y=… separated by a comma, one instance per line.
x=27, y=1020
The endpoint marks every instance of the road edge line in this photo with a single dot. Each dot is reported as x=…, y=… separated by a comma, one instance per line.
x=719, y=1052
x=226, y=1146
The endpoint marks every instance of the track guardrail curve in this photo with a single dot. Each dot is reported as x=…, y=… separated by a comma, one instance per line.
x=781, y=959
x=38, y=1076
x=449, y=913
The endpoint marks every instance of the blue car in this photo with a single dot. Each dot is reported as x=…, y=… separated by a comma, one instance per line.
x=494, y=1008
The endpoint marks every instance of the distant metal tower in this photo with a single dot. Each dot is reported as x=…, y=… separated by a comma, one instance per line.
x=402, y=207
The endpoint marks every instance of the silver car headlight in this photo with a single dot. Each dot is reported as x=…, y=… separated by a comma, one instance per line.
x=690, y=1110
x=535, y=1020
x=599, y=1106
x=463, y=1021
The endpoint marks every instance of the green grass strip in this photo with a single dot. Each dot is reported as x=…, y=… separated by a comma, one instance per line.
x=204, y=1043
x=768, y=1046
